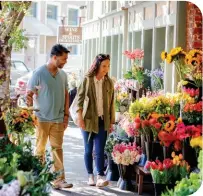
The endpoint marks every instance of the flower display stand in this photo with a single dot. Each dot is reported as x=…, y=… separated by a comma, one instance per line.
x=140, y=173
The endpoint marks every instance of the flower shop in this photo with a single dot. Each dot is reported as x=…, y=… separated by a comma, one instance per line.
x=157, y=141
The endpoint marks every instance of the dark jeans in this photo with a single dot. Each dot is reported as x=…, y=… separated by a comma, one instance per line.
x=99, y=140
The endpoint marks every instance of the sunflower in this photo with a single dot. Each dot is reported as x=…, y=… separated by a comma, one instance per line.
x=195, y=52
x=169, y=126
x=175, y=51
x=163, y=55
x=169, y=58
x=194, y=61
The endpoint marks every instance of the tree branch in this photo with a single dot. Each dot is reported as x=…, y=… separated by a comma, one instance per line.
x=16, y=19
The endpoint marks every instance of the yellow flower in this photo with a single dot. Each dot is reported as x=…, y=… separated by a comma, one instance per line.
x=179, y=120
x=169, y=58
x=175, y=51
x=173, y=154
x=163, y=55
x=194, y=52
x=197, y=141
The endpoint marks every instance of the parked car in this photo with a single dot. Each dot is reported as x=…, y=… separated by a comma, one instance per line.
x=18, y=69
x=21, y=83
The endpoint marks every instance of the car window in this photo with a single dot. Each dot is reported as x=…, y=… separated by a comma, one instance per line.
x=21, y=67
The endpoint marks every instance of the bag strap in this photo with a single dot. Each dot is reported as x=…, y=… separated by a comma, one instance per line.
x=87, y=86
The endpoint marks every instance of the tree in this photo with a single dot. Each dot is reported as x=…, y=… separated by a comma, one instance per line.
x=11, y=15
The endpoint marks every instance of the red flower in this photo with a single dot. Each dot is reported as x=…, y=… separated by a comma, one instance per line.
x=152, y=121
x=196, y=131
x=137, y=125
x=177, y=145
x=137, y=120
x=157, y=125
x=145, y=123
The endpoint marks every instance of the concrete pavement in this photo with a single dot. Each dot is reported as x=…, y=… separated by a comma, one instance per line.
x=75, y=169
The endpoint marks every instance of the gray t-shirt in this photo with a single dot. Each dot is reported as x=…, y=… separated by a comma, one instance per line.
x=51, y=94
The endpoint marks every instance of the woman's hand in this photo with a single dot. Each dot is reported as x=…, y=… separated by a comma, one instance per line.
x=81, y=122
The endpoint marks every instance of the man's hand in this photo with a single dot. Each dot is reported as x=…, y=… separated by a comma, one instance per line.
x=29, y=98
x=65, y=121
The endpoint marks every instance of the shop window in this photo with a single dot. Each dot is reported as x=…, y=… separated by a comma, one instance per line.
x=72, y=16
x=52, y=11
x=113, y=5
x=73, y=49
x=33, y=10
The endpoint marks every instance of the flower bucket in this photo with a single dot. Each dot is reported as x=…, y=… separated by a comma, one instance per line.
x=153, y=150
x=160, y=188
x=112, y=174
x=125, y=173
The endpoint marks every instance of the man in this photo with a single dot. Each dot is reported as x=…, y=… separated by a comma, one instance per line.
x=49, y=88
x=72, y=92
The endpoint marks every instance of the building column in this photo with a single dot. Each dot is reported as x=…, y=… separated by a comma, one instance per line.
x=119, y=70
x=112, y=58
x=125, y=38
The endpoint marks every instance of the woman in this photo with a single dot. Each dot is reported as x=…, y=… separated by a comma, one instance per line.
x=99, y=117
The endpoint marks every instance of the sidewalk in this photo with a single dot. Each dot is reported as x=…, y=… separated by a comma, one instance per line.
x=75, y=169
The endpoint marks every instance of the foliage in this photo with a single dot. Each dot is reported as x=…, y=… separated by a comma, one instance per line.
x=137, y=71
x=12, y=14
x=18, y=163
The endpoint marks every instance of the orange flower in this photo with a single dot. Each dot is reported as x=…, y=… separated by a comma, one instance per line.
x=24, y=113
x=155, y=115
x=169, y=126
x=179, y=120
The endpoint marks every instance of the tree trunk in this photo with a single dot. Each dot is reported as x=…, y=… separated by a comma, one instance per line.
x=5, y=64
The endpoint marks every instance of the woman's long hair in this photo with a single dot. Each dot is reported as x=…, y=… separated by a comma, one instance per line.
x=96, y=64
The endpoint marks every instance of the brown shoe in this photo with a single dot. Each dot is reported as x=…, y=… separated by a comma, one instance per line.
x=62, y=184
x=101, y=181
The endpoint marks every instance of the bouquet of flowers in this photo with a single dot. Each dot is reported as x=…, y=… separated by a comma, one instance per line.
x=192, y=113
x=20, y=122
x=126, y=154
x=157, y=76
x=121, y=101
x=187, y=186
x=137, y=71
x=168, y=171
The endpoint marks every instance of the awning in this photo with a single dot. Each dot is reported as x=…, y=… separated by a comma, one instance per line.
x=35, y=27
